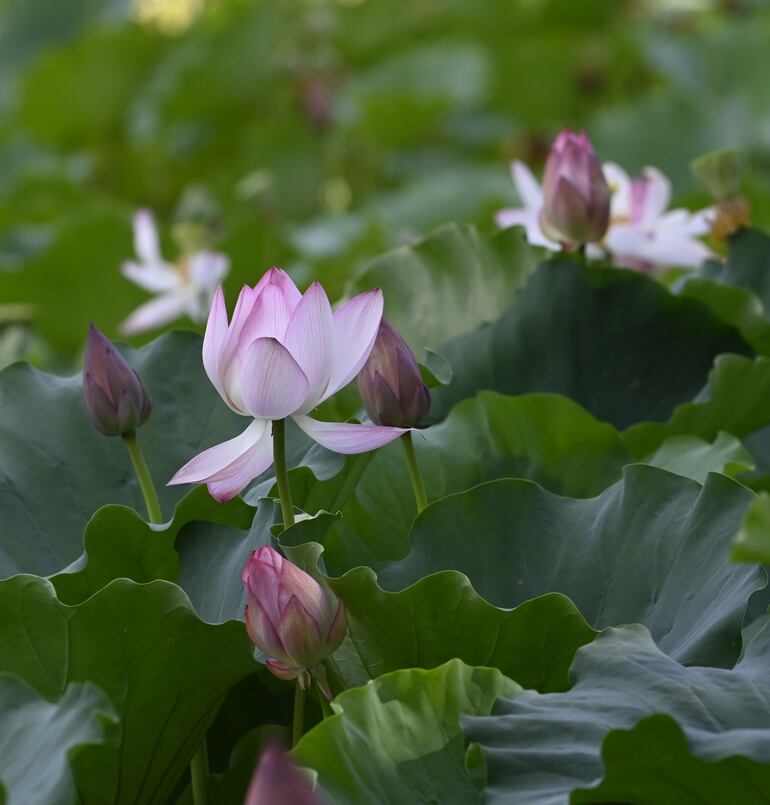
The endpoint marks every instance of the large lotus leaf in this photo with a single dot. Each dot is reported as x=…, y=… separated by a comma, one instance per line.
x=747, y=264
x=651, y=764
x=543, y=437
x=626, y=556
x=441, y=617
x=164, y=671
x=617, y=342
x=449, y=283
x=398, y=738
x=695, y=458
x=56, y=470
x=539, y=747
x=120, y=544
x=733, y=401
x=38, y=738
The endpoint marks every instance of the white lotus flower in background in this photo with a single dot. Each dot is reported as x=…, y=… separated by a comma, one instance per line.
x=185, y=288
x=642, y=234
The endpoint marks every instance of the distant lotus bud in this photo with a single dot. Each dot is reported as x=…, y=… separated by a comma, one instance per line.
x=291, y=618
x=277, y=781
x=390, y=383
x=576, y=197
x=115, y=396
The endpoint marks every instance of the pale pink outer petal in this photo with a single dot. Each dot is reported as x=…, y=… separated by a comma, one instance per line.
x=262, y=627
x=214, y=342
x=620, y=188
x=273, y=385
x=355, y=327
x=301, y=635
x=269, y=317
x=531, y=223
x=277, y=276
x=237, y=476
x=663, y=247
x=154, y=278
x=345, y=437
x=657, y=195
x=208, y=269
x=527, y=186
x=216, y=459
x=146, y=244
x=310, y=337
x=155, y=313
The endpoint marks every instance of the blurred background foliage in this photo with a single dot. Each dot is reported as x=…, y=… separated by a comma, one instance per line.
x=315, y=134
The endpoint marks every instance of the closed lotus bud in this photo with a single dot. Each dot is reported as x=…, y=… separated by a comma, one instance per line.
x=576, y=197
x=115, y=396
x=291, y=618
x=277, y=781
x=390, y=383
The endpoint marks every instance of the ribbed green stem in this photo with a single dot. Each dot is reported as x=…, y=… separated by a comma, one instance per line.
x=144, y=477
x=414, y=472
x=199, y=771
x=326, y=708
x=281, y=474
x=298, y=723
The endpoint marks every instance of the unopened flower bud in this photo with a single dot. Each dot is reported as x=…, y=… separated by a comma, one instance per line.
x=576, y=197
x=291, y=618
x=277, y=781
x=115, y=396
x=390, y=384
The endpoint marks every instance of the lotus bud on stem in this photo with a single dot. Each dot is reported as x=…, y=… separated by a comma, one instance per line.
x=295, y=621
x=394, y=394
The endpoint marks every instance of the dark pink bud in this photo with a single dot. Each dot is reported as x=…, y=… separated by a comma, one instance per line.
x=576, y=196
x=115, y=396
x=277, y=781
x=295, y=621
x=390, y=383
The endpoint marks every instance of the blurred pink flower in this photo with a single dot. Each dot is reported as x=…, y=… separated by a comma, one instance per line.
x=291, y=618
x=576, y=199
x=281, y=355
x=277, y=781
x=186, y=288
x=642, y=233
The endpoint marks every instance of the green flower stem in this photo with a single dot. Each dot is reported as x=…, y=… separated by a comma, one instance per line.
x=199, y=771
x=414, y=472
x=281, y=475
x=199, y=765
x=298, y=724
x=326, y=708
x=144, y=477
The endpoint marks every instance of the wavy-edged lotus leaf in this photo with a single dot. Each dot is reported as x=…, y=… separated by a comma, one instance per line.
x=120, y=544
x=615, y=341
x=450, y=282
x=540, y=747
x=398, y=738
x=695, y=458
x=164, y=671
x=651, y=764
x=626, y=556
x=733, y=401
x=39, y=737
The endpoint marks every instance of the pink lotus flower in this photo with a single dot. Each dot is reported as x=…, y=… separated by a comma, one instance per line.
x=186, y=288
x=280, y=356
x=576, y=199
x=642, y=233
x=291, y=618
x=277, y=781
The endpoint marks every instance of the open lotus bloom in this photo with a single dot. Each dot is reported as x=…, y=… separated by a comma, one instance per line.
x=291, y=618
x=643, y=233
x=182, y=289
x=280, y=356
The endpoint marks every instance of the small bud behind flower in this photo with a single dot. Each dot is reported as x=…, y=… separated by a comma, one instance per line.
x=115, y=396
x=576, y=196
x=390, y=384
x=277, y=781
x=291, y=618
x=721, y=172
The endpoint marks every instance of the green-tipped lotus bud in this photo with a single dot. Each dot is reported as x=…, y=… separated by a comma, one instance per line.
x=115, y=396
